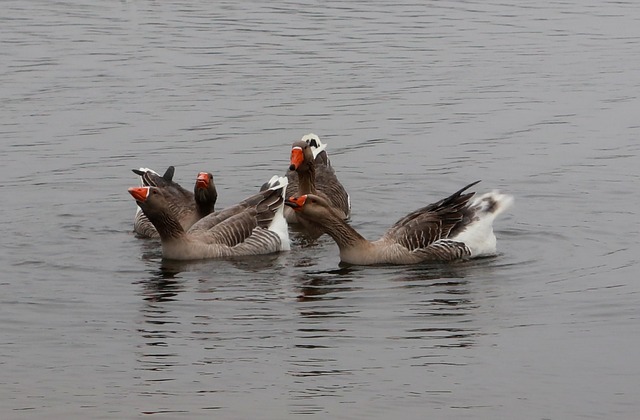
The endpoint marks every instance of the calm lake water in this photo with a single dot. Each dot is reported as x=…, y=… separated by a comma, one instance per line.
x=415, y=100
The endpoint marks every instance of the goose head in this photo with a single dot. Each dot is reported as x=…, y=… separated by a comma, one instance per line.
x=151, y=200
x=204, y=180
x=304, y=152
x=205, y=189
x=311, y=207
x=301, y=156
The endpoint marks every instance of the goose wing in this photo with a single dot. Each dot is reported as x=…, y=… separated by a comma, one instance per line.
x=432, y=225
x=150, y=178
x=182, y=198
x=230, y=231
x=235, y=225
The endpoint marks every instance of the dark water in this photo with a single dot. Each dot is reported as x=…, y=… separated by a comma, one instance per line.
x=415, y=100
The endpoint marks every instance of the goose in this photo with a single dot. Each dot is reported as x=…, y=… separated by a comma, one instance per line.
x=188, y=206
x=455, y=228
x=254, y=226
x=310, y=172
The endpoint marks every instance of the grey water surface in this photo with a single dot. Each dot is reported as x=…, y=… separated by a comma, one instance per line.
x=415, y=100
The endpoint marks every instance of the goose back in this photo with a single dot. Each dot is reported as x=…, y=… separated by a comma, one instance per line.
x=434, y=222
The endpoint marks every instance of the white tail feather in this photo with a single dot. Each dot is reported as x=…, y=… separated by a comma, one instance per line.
x=146, y=170
x=138, y=209
x=478, y=235
x=279, y=223
x=275, y=182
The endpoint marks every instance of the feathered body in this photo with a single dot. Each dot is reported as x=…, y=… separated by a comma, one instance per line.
x=254, y=226
x=189, y=207
x=457, y=227
x=310, y=172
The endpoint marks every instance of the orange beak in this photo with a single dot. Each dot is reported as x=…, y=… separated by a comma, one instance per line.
x=203, y=180
x=297, y=157
x=139, y=193
x=296, y=203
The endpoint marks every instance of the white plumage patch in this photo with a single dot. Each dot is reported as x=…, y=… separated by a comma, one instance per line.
x=138, y=209
x=279, y=224
x=478, y=235
x=320, y=146
x=146, y=170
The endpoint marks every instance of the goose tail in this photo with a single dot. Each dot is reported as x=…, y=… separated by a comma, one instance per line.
x=140, y=172
x=478, y=236
x=279, y=224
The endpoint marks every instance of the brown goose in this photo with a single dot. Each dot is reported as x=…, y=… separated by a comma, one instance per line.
x=311, y=172
x=188, y=206
x=254, y=226
x=457, y=227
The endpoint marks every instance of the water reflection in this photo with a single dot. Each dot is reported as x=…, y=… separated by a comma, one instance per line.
x=442, y=305
x=159, y=329
x=323, y=285
x=149, y=249
x=432, y=321
x=325, y=308
x=412, y=276
x=164, y=284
